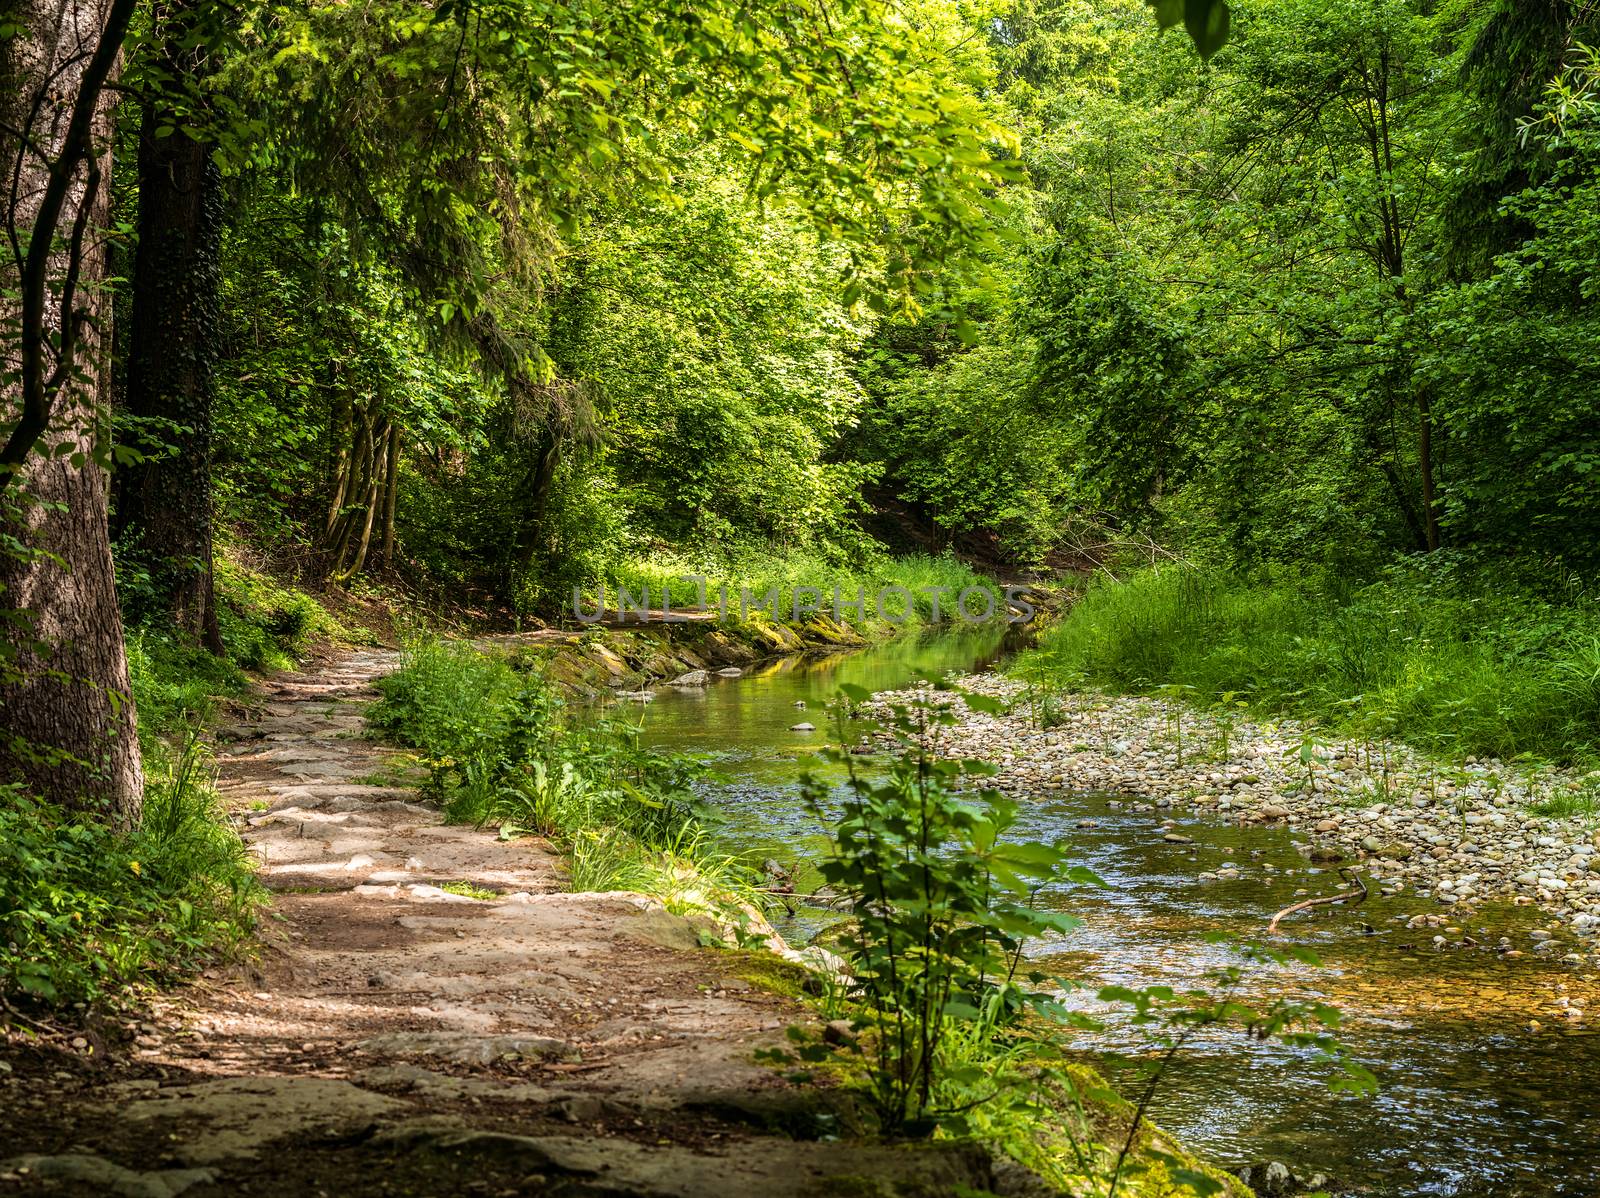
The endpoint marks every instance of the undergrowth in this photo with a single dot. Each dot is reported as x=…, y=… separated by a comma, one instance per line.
x=502, y=748
x=91, y=915
x=1446, y=659
x=925, y=579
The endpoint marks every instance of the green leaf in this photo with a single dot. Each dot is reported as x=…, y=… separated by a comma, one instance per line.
x=1168, y=12
x=1207, y=22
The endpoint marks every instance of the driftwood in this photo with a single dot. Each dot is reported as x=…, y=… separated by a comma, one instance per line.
x=1354, y=897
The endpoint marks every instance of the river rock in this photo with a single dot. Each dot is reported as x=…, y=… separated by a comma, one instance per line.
x=1269, y=1178
x=1418, y=831
x=692, y=678
x=802, y=727
x=1177, y=838
x=730, y=672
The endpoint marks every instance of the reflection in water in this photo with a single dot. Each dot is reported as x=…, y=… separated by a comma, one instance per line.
x=1473, y=1104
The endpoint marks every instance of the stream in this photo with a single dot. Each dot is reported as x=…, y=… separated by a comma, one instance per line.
x=1474, y=1101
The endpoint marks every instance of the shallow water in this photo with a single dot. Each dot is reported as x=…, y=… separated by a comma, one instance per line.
x=1473, y=1103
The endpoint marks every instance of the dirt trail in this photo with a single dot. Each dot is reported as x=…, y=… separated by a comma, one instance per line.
x=399, y=1039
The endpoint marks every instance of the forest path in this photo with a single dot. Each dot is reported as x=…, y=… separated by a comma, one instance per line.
x=399, y=1038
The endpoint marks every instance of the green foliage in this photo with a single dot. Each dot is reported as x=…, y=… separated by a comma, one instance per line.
x=1454, y=659
x=265, y=625
x=796, y=581
x=932, y=430
x=502, y=748
x=1110, y=361
x=91, y=915
x=941, y=905
x=175, y=686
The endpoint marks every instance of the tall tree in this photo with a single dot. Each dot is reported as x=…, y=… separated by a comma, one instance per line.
x=1513, y=49
x=66, y=722
x=163, y=502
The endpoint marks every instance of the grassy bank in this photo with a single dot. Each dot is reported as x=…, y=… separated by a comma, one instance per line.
x=790, y=582
x=1454, y=661
x=500, y=747
x=89, y=915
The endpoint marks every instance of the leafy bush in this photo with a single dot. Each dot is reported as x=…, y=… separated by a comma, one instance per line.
x=87, y=914
x=1432, y=652
x=941, y=907
x=501, y=747
x=265, y=624
x=175, y=686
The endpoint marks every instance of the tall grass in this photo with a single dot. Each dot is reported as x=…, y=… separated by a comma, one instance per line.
x=1453, y=662
x=89, y=914
x=502, y=748
x=922, y=575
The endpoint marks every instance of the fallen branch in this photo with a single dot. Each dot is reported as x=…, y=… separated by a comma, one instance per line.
x=1354, y=897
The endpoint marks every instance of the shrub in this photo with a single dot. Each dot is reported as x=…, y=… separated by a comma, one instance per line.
x=88, y=914
x=501, y=747
x=941, y=907
x=1444, y=657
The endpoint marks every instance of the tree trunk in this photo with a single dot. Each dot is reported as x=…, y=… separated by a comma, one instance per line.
x=163, y=516
x=530, y=535
x=66, y=719
x=390, y=489
x=339, y=418
x=1430, y=499
x=375, y=481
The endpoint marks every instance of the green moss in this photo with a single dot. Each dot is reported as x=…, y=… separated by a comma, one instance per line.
x=769, y=972
x=468, y=890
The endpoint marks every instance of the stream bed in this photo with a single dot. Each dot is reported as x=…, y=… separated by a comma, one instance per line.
x=1485, y=1090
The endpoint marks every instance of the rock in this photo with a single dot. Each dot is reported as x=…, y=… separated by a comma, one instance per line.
x=484, y=1147
x=730, y=672
x=466, y=1048
x=1325, y=854
x=1268, y=1179
x=1177, y=838
x=802, y=727
x=233, y=1119
x=841, y=1032
x=101, y=1176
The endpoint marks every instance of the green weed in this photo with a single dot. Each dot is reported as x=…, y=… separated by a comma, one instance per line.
x=1453, y=663
x=501, y=748
x=468, y=890
x=88, y=914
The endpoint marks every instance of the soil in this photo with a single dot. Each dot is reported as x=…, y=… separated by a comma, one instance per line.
x=393, y=1037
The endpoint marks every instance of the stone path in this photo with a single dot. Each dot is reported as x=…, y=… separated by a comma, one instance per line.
x=398, y=1038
